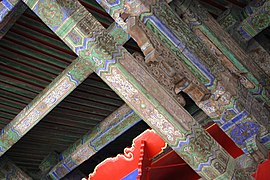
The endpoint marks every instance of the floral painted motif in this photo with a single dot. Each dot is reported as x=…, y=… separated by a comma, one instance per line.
x=50, y=12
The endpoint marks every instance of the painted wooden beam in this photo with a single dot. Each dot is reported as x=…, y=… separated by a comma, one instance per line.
x=246, y=163
x=231, y=55
x=48, y=163
x=221, y=88
x=56, y=91
x=76, y=174
x=252, y=7
x=260, y=54
x=244, y=24
x=113, y=126
x=107, y=131
x=210, y=8
x=112, y=63
x=255, y=22
x=232, y=19
x=225, y=48
x=8, y=170
x=11, y=18
x=52, y=95
x=6, y=7
x=193, y=59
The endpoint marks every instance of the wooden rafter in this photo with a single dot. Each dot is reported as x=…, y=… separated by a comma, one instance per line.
x=110, y=61
x=8, y=21
x=9, y=170
x=109, y=129
x=52, y=95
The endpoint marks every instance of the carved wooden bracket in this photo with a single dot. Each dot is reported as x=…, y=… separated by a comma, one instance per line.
x=139, y=35
x=161, y=63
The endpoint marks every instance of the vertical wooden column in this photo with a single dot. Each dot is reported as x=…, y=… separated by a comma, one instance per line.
x=106, y=58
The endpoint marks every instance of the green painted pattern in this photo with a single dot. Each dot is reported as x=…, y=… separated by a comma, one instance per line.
x=198, y=18
x=99, y=55
x=256, y=22
x=236, y=62
x=31, y=4
x=105, y=132
x=201, y=19
x=42, y=104
x=191, y=41
x=53, y=94
x=71, y=22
